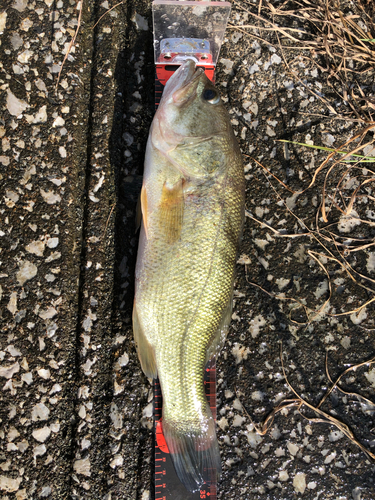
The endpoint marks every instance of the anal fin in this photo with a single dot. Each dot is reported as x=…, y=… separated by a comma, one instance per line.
x=145, y=351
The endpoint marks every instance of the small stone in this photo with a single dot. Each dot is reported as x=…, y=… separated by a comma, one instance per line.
x=58, y=122
x=40, y=450
x=257, y=396
x=117, y=461
x=253, y=438
x=27, y=377
x=357, y=318
x=43, y=373
x=25, y=56
x=9, y=484
x=4, y=160
x=55, y=388
x=41, y=115
x=356, y=493
x=9, y=371
x=42, y=434
x=52, y=242
x=53, y=256
x=283, y=475
x=116, y=416
x=40, y=412
x=140, y=22
x=13, y=434
x=348, y=222
x=27, y=271
x=51, y=329
x=293, y=448
x=3, y=20
x=12, y=304
x=36, y=248
x=122, y=360
x=238, y=421
x=15, y=106
x=345, y=342
x=13, y=351
x=46, y=491
x=85, y=443
x=370, y=375
x=299, y=482
x=20, y=5
x=40, y=85
x=21, y=494
x=147, y=411
x=82, y=466
x=82, y=412
x=23, y=445
x=328, y=139
x=26, y=24
x=50, y=197
x=48, y=313
x=55, y=427
x=13, y=197
x=223, y=423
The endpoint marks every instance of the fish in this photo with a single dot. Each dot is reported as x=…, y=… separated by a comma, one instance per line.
x=192, y=203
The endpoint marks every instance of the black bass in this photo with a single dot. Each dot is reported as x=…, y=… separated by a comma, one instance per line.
x=192, y=215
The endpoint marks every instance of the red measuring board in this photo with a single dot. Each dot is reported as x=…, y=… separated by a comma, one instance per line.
x=167, y=484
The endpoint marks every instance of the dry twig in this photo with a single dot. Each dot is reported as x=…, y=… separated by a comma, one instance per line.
x=298, y=402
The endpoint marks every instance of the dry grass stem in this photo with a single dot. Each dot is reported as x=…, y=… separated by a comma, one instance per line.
x=72, y=42
x=328, y=33
x=107, y=12
x=325, y=418
x=335, y=384
x=319, y=237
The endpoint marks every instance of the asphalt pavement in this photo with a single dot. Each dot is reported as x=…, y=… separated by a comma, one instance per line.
x=76, y=410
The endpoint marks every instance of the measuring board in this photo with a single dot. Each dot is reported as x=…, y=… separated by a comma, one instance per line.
x=167, y=484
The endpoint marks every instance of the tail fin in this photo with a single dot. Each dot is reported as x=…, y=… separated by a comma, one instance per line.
x=194, y=452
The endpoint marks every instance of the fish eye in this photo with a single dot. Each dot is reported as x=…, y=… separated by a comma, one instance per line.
x=211, y=95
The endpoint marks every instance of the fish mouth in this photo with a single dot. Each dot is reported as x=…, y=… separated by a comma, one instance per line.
x=182, y=85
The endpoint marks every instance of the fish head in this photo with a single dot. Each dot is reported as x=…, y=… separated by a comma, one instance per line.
x=191, y=117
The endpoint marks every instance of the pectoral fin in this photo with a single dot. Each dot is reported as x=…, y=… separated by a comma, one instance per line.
x=143, y=209
x=172, y=210
x=145, y=351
